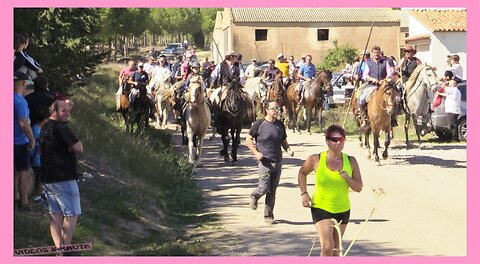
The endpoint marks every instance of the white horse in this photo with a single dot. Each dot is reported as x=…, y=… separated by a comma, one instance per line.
x=163, y=98
x=197, y=117
x=417, y=97
x=257, y=90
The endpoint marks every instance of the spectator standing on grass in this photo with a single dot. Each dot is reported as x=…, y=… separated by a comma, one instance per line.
x=40, y=99
x=59, y=149
x=42, y=115
x=23, y=141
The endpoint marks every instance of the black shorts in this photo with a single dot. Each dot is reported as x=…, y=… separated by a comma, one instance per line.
x=320, y=214
x=21, y=157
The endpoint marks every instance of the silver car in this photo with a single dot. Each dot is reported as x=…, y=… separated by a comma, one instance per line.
x=441, y=123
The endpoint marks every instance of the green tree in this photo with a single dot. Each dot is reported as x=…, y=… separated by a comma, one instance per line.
x=337, y=56
x=63, y=40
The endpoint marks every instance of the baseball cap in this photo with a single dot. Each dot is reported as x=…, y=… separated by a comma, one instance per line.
x=280, y=56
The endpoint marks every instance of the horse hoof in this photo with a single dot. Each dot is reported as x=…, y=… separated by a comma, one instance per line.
x=385, y=156
x=226, y=158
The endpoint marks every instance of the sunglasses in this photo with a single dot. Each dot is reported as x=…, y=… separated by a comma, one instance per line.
x=275, y=108
x=336, y=139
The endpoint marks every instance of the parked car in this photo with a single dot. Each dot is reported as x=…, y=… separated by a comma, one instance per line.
x=342, y=88
x=173, y=48
x=441, y=123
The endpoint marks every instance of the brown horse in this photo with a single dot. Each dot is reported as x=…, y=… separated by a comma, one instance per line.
x=124, y=101
x=313, y=98
x=381, y=108
x=276, y=93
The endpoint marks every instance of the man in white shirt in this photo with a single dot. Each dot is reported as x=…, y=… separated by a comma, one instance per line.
x=456, y=69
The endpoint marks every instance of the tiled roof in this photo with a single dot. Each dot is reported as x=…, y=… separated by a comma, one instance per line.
x=418, y=37
x=314, y=15
x=442, y=20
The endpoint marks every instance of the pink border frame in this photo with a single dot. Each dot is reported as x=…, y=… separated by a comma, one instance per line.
x=472, y=180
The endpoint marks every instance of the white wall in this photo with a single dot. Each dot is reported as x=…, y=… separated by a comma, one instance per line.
x=434, y=51
x=448, y=43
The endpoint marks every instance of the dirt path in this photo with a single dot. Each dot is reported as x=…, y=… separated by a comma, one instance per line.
x=423, y=212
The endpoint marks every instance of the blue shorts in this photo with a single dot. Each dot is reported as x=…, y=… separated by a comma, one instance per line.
x=63, y=197
x=21, y=157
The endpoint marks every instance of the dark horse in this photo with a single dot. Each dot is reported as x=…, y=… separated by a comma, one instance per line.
x=232, y=115
x=276, y=93
x=313, y=98
x=140, y=110
x=380, y=108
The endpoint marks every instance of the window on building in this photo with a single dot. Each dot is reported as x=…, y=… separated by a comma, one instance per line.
x=261, y=34
x=322, y=34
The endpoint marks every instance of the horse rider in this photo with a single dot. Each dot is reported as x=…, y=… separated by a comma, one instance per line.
x=291, y=67
x=408, y=63
x=301, y=62
x=123, y=73
x=270, y=72
x=194, y=71
x=228, y=71
x=376, y=70
x=140, y=77
x=251, y=69
x=176, y=69
x=305, y=74
x=185, y=68
x=283, y=65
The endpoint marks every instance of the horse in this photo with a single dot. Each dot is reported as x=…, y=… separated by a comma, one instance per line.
x=232, y=114
x=257, y=90
x=360, y=130
x=177, y=104
x=313, y=98
x=124, y=100
x=381, y=107
x=422, y=81
x=277, y=93
x=140, y=109
x=197, y=119
x=163, y=99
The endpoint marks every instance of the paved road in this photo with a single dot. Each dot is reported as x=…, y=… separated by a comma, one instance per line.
x=423, y=211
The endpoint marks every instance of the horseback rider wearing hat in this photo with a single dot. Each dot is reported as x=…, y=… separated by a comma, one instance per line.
x=408, y=63
x=228, y=71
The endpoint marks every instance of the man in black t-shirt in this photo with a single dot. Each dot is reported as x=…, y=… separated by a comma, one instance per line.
x=59, y=148
x=40, y=100
x=270, y=135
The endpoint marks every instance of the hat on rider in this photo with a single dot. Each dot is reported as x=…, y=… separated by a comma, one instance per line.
x=195, y=64
x=20, y=76
x=410, y=48
x=279, y=56
x=140, y=64
x=231, y=53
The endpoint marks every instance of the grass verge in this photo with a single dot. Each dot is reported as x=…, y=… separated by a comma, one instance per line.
x=138, y=196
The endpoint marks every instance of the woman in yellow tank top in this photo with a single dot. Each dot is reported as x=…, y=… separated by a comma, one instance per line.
x=335, y=174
